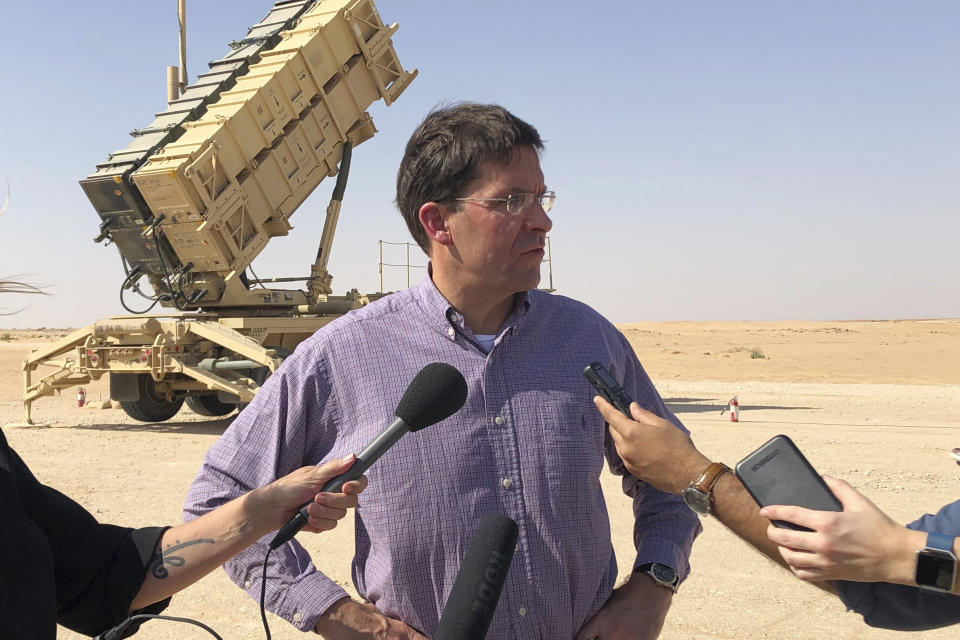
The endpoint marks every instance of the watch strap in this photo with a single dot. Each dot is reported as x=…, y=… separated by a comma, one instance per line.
x=709, y=477
x=940, y=541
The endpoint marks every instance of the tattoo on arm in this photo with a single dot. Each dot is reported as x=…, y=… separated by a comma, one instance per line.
x=166, y=556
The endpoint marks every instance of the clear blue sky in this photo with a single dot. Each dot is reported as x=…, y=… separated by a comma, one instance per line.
x=713, y=160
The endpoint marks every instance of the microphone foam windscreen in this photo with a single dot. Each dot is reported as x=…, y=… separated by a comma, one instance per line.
x=476, y=591
x=436, y=393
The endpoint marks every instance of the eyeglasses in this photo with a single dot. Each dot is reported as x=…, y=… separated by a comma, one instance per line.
x=518, y=202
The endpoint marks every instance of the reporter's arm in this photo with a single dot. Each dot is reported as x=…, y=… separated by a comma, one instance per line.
x=662, y=455
x=902, y=606
x=860, y=543
x=191, y=550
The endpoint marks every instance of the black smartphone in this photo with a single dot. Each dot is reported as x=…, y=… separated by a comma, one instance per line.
x=777, y=473
x=608, y=387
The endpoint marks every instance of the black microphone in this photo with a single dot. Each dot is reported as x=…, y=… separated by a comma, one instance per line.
x=476, y=591
x=436, y=393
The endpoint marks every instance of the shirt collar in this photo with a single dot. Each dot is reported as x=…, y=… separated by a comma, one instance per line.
x=442, y=315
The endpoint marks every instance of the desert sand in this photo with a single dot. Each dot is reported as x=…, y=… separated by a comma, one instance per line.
x=876, y=403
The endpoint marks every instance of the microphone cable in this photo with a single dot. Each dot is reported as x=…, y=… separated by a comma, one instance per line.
x=117, y=632
x=263, y=594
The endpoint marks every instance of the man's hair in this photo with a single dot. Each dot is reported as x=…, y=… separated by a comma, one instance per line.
x=444, y=155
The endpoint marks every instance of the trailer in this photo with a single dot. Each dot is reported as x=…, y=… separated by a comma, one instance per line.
x=202, y=190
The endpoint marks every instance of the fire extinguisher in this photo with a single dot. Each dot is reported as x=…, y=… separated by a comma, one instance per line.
x=734, y=409
x=81, y=397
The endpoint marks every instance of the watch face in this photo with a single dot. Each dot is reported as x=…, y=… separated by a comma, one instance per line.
x=697, y=500
x=935, y=569
x=663, y=573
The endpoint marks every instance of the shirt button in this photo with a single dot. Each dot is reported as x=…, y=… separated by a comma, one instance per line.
x=247, y=584
x=498, y=421
x=523, y=611
x=451, y=332
x=297, y=617
x=507, y=483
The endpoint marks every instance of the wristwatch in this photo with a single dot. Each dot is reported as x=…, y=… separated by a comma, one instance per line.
x=699, y=494
x=662, y=574
x=936, y=564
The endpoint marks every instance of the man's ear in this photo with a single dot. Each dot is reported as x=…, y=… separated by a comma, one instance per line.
x=435, y=223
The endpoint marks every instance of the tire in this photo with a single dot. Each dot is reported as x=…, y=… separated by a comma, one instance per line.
x=151, y=406
x=209, y=405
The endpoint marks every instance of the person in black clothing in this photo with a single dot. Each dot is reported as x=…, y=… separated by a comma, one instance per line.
x=58, y=564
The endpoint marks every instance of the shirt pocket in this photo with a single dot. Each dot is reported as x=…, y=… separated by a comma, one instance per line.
x=573, y=437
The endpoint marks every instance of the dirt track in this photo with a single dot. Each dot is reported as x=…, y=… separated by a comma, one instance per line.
x=875, y=403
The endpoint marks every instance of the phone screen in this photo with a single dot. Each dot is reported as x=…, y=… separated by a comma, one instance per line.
x=607, y=379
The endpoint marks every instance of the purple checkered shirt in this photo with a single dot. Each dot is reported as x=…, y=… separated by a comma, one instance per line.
x=528, y=443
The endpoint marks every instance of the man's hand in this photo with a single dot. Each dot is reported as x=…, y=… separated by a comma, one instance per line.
x=653, y=449
x=635, y=611
x=860, y=543
x=351, y=620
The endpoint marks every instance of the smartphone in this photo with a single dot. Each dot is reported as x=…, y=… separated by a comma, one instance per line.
x=777, y=473
x=608, y=387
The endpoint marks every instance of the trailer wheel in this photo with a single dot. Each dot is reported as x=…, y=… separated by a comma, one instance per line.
x=151, y=406
x=209, y=405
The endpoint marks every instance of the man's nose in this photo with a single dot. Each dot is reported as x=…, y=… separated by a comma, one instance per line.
x=537, y=219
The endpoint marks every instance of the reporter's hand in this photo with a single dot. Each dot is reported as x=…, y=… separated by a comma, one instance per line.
x=861, y=543
x=653, y=449
x=282, y=498
x=351, y=620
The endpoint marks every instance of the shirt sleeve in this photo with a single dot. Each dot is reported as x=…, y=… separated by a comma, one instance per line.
x=902, y=607
x=98, y=568
x=268, y=440
x=664, y=526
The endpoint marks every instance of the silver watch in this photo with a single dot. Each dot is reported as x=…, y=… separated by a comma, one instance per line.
x=662, y=574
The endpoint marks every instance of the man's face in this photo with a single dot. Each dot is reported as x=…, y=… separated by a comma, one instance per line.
x=494, y=250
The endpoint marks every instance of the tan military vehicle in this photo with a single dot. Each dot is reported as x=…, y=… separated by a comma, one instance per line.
x=199, y=193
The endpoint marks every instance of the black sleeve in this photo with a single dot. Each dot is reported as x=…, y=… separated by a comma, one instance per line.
x=98, y=568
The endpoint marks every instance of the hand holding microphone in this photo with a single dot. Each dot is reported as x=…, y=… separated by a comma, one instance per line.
x=275, y=503
x=436, y=393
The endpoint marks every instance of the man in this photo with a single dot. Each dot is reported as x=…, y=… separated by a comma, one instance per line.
x=527, y=443
x=860, y=554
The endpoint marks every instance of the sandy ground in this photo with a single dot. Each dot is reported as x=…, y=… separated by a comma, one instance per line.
x=877, y=403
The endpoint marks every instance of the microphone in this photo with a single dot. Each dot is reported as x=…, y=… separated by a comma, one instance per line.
x=436, y=393
x=476, y=591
